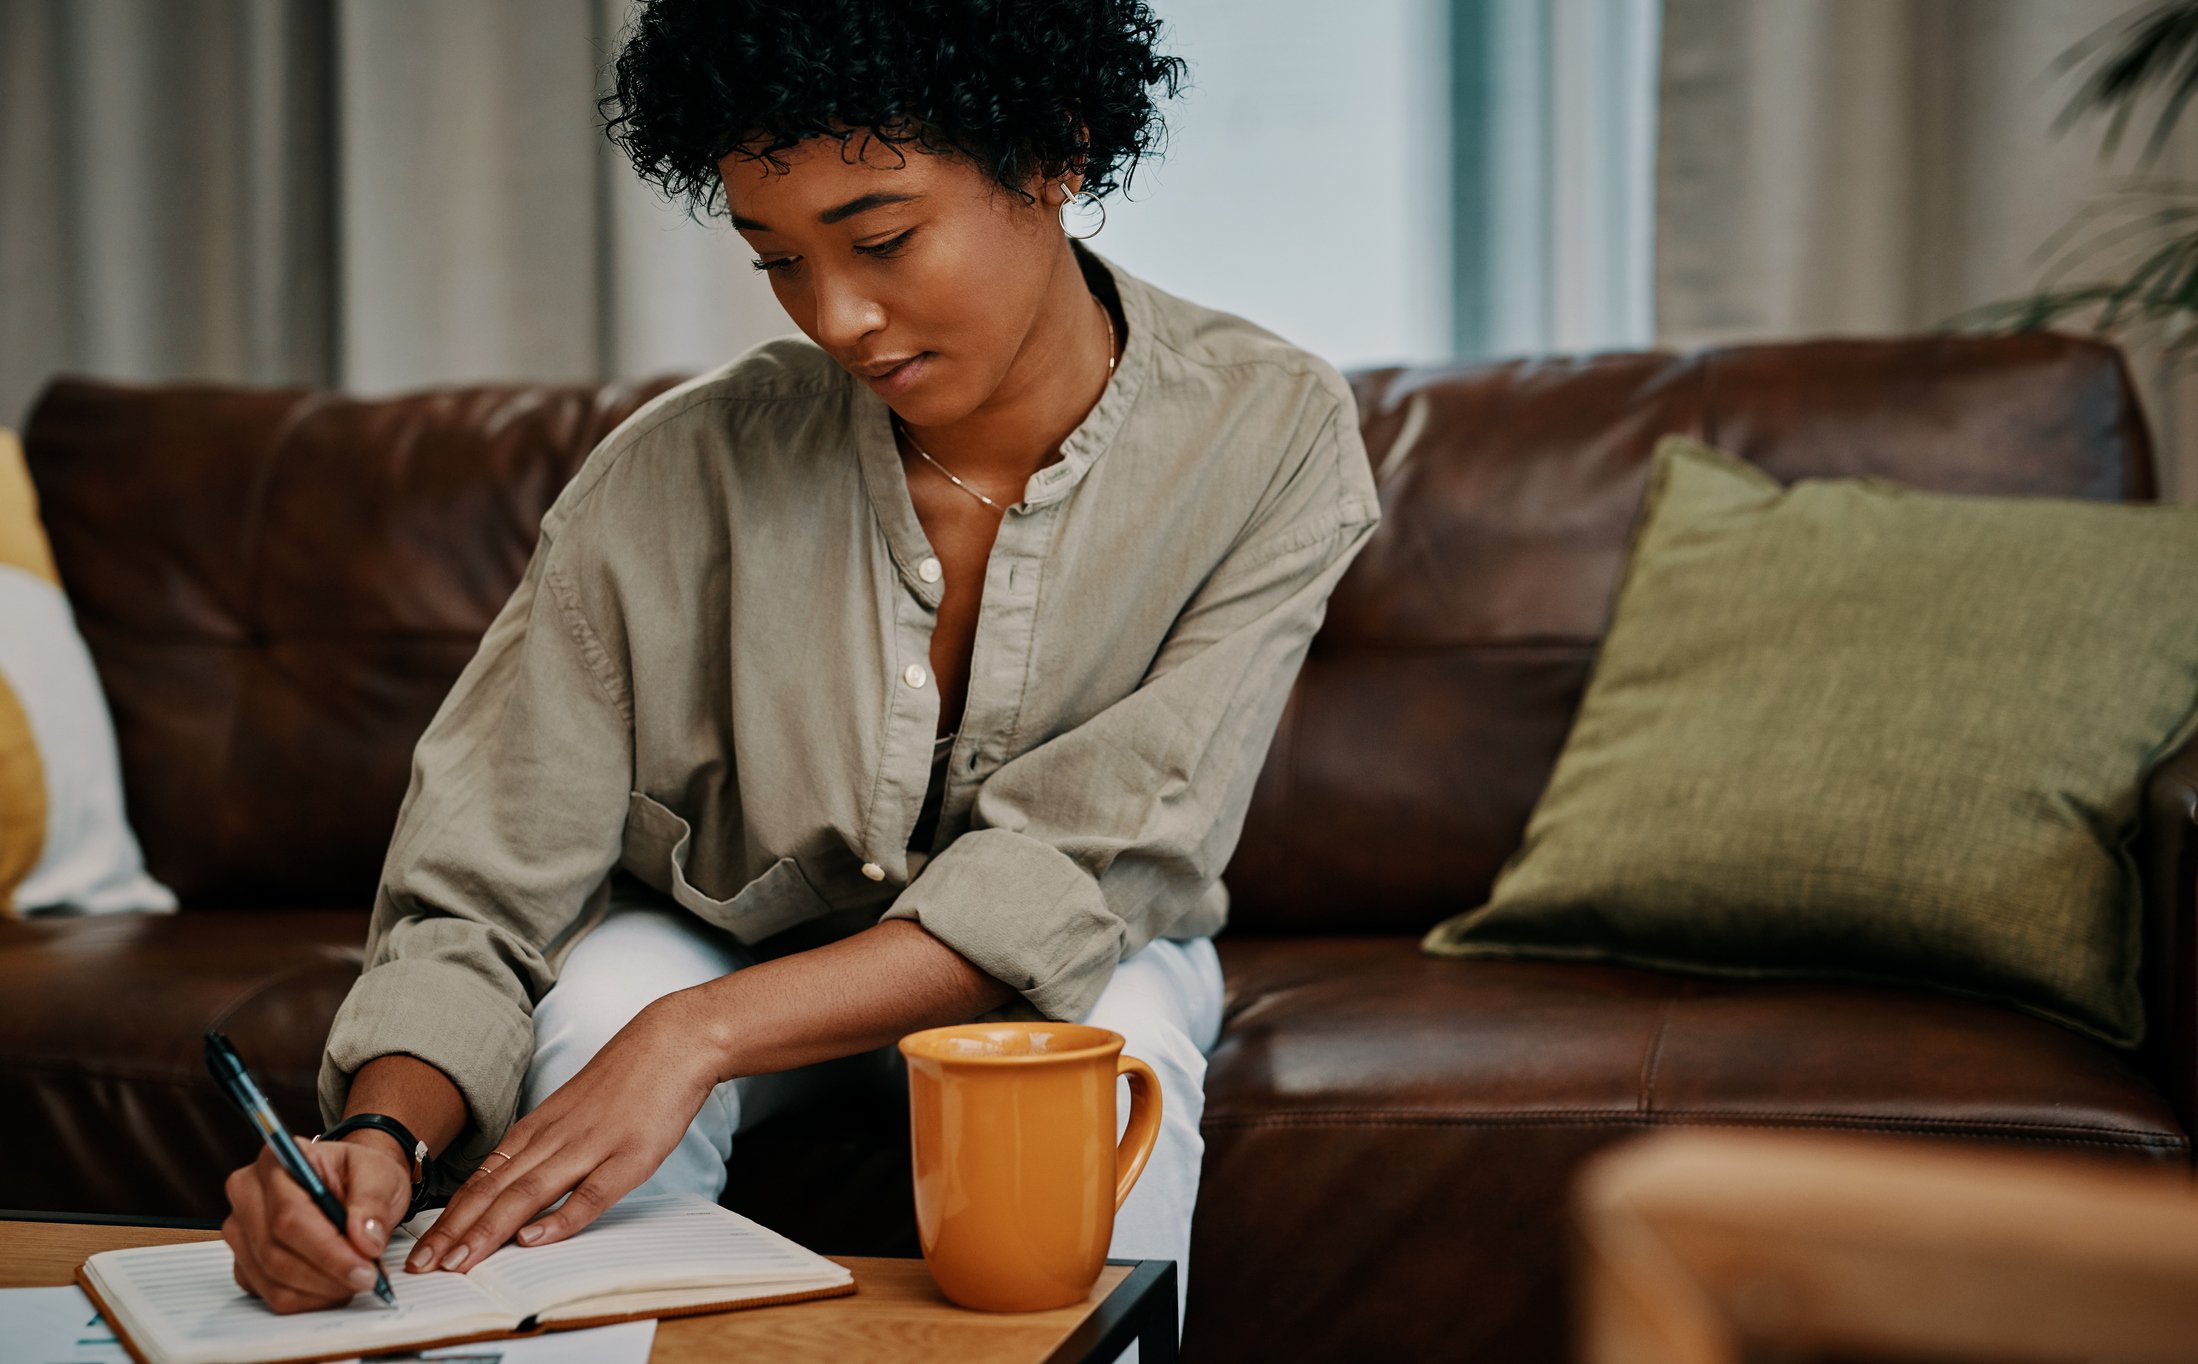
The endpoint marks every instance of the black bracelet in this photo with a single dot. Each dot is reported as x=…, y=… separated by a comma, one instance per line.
x=417, y=1149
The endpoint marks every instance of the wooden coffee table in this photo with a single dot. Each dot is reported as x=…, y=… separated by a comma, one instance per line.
x=895, y=1314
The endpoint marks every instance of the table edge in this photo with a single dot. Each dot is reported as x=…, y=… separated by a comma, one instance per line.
x=1100, y=1337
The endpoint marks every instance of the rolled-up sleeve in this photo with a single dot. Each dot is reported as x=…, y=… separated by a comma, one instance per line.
x=1089, y=845
x=511, y=821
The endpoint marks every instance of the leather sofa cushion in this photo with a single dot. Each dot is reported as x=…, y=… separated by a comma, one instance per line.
x=1427, y=1117
x=101, y=1068
x=1388, y=1134
x=1320, y=1032
x=1343, y=1029
x=1381, y=1082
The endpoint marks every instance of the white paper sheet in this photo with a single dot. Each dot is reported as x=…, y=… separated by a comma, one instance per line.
x=61, y=1326
x=624, y=1342
x=56, y=1326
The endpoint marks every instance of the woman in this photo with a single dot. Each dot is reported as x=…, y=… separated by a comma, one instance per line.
x=912, y=669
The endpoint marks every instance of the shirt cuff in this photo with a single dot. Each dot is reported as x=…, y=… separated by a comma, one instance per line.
x=471, y=1032
x=1023, y=912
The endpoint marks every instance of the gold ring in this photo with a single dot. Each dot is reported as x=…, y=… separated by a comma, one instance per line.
x=505, y=1154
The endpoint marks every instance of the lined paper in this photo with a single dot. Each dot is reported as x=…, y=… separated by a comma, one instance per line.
x=661, y=1242
x=186, y=1301
x=185, y=1304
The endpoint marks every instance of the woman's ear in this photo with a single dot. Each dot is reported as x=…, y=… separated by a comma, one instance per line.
x=1050, y=179
x=1078, y=159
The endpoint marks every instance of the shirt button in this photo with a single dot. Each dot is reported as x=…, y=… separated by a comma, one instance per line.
x=873, y=871
x=929, y=570
x=913, y=676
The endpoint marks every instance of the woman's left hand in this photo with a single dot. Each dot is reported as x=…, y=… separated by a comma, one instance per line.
x=597, y=1137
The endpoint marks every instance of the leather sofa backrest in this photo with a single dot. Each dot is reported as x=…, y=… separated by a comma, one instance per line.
x=1442, y=685
x=280, y=585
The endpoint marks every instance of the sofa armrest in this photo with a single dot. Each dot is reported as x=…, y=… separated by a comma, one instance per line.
x=2170, y=863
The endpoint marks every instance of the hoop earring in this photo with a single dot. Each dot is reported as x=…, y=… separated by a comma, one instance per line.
x=1102, y=215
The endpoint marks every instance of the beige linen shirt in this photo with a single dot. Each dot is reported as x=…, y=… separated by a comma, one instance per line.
x=714, y=679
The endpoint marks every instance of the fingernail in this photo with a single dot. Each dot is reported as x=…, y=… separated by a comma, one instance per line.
x=374, y=1233
x=424, y=1258
x=529, y=1235
x=361, y=1277
x=457, y=1257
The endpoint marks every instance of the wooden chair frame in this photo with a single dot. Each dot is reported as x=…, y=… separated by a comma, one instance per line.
x=1717, y=1246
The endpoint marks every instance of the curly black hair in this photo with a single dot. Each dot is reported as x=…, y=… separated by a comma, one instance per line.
x=1000, y=83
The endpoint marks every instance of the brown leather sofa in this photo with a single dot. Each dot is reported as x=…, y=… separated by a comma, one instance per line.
x=280, y=585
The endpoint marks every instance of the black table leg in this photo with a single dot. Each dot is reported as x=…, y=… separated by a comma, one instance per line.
x=1156, y=1337
x=1141, y=1309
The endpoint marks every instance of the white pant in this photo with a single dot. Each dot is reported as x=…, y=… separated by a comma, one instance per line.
x=1165, y=1000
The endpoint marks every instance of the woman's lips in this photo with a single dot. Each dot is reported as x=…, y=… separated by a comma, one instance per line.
x=903, y=376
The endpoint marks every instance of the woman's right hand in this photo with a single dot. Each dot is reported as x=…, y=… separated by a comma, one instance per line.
x=287, y=1252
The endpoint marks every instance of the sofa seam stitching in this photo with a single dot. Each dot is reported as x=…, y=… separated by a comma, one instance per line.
x=73, y=1066
x=1643, y=1099
x=1528, y=1117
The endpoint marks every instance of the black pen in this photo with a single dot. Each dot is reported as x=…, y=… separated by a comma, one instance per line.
x=243, y=1091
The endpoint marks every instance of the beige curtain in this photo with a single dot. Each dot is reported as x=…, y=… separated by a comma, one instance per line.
x=367, y=194
x=1875, y=166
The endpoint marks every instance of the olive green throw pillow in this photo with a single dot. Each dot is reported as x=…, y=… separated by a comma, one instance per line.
x=1850, y=728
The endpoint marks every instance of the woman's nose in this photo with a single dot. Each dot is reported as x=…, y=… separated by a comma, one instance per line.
x=845, y=314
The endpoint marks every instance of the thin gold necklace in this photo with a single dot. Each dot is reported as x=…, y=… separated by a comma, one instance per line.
x=1105, y=315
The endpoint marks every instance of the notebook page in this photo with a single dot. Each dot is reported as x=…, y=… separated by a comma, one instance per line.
x=658, y=1242
x=183, y=1303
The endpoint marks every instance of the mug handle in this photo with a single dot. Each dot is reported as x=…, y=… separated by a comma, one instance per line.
x=1143, y=1129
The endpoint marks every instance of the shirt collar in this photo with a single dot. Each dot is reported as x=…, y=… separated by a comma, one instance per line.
x=1096, y=432
x=880, y=457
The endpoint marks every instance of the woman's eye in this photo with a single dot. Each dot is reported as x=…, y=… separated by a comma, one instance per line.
x=888, y=248
x=786, y=264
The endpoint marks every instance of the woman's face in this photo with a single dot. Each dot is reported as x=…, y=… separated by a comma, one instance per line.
x=879, y=253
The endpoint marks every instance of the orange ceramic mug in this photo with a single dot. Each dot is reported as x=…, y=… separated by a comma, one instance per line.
x=1018, y=1176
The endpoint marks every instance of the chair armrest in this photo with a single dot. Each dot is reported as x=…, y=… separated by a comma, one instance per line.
x=2168, y=854
x=1708, y=1247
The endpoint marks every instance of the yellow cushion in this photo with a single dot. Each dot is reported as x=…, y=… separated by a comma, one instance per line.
x=65, y=842
x=22, y=777
x=22, y=539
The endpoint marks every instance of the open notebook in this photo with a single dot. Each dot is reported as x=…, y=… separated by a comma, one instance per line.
x=656, y=1256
